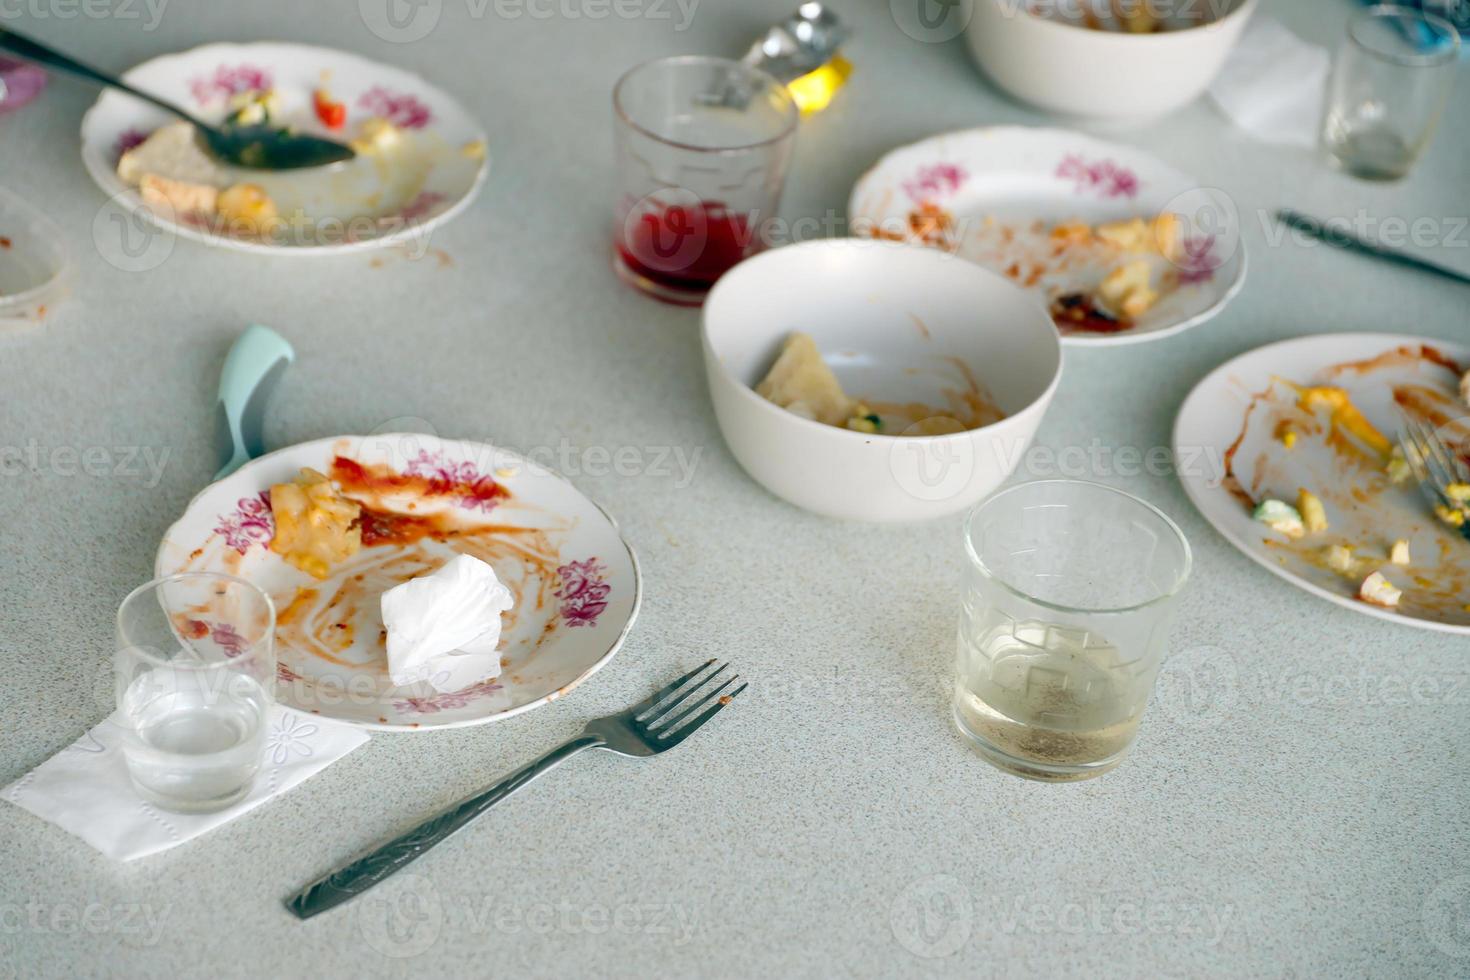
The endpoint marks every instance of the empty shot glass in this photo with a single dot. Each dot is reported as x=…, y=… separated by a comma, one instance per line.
x=1389, y=86
x=194, y=662
x=1069, y=593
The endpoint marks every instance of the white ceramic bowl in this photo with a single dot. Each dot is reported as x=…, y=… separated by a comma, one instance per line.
x=1070, y=69
x=898, y=323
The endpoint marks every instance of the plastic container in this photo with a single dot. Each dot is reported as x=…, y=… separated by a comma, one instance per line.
x=34, y=267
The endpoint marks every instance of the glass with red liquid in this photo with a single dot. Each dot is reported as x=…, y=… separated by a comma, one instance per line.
x=702, y=148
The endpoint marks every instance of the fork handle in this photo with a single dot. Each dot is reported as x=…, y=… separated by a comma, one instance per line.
x=355, y=878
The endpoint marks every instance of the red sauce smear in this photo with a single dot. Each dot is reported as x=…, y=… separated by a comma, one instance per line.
x=354, y=476
x=1076, y=313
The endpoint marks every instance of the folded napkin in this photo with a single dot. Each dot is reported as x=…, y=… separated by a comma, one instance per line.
x=85, y=790
x=1273, y=83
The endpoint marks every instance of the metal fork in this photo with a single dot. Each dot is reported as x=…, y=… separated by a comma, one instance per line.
x=1435, y=466
x=648, y=728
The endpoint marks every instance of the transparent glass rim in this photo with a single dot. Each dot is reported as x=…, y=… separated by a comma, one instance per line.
x=1168, y=522
x=792, y=114
x=1384, y=11
x=143, y=653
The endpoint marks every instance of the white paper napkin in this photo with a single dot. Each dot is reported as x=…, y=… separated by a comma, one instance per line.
x=84, y=789
x=1273, y=83
x=444, y=627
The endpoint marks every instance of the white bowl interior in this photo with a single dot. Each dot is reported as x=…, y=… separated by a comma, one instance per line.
x=1176, y=17
x=896, y=323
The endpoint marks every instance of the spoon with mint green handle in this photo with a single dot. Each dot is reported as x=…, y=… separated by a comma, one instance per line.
x=255, y=363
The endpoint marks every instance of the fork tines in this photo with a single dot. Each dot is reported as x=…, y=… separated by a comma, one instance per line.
x=661, y=716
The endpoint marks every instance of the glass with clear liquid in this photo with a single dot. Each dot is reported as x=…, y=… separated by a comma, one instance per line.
x=194, y=661
x=1389, y=86
x=1063, y=627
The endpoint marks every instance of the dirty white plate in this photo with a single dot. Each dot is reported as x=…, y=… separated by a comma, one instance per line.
x=357, y=205
x=997, y=184
x=1242, y=403
x=575, y=580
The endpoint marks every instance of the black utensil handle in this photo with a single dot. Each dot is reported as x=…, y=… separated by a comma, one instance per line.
x=355, y=878
x=1351, y=243
x=37, y=52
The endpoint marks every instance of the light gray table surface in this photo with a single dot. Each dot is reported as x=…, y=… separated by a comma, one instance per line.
x=1298, y=806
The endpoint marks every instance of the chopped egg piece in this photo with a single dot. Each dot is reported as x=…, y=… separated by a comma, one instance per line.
x=249, y=206
x=1126, y=290
x=376, y=135
x=1314, y=516
x=1345, y=415
x=1280, y=516
x=1379, y=591
x=255, y=107
x=802, y=383
x=1398, y=553
x=1454, y=518
x=1340, y=558
x=1458, y=492
x=1073, y=232
x=1399, y=468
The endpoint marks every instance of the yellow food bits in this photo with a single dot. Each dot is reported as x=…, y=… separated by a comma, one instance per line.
x=314, y=523
x=247, y=206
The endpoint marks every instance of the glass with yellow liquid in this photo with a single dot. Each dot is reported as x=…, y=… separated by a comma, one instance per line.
x=1070, y=590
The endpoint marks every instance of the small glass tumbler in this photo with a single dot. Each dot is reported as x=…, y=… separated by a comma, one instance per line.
x=1389, y=86
x=194, y=661
x=1068, y=598
x=702, y=149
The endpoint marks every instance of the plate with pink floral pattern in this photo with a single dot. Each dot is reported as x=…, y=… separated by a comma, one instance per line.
x=421, y=157
x=422, y=501
x=1118, y=245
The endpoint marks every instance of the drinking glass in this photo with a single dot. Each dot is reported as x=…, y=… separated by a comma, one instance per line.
x=1068, y=598
x=702, y=148
x=194, y=664
x=1389, y=85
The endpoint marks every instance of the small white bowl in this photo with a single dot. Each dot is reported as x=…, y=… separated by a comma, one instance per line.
x=896, y=323
x=1071, y=69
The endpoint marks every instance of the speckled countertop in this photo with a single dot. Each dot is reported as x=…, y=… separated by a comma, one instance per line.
x=1298, y=806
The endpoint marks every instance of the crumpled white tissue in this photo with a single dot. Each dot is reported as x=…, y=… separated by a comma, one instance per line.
x=444, y=627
